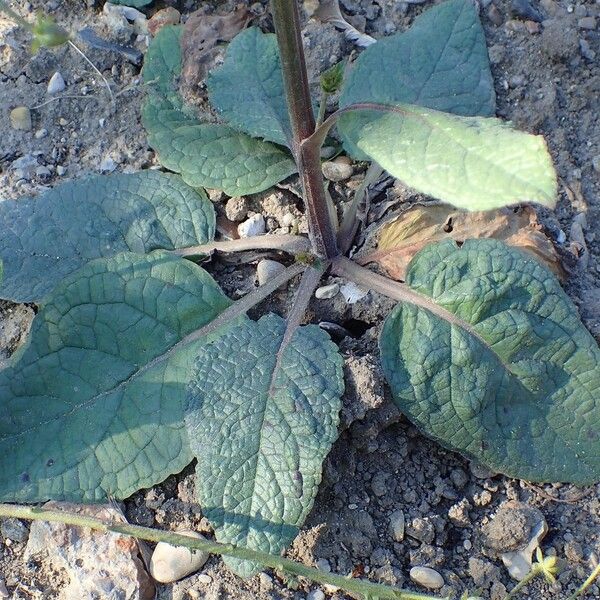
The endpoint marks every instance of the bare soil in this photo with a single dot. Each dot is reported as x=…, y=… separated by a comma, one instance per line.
x=547, y=81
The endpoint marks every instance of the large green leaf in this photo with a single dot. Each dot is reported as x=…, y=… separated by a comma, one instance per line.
x=441, y=62
x=46, y=237
x=93, y=406
x=207, y=155
x=473, y=163
x=514, y=381
x=213, y=156
x=247, y=90
x=263, y=413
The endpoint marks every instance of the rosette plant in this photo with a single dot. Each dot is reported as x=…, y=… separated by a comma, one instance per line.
x=137, y=362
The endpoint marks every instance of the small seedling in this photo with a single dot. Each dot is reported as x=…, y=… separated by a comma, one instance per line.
x=138, y=363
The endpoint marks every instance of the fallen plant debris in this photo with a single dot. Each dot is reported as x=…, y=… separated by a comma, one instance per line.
x=400, y=239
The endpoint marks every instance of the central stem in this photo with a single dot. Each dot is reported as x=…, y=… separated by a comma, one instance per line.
x=297, y=92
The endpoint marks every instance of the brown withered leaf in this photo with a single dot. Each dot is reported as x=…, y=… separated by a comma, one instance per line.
x=400, y=239
x=201, y=34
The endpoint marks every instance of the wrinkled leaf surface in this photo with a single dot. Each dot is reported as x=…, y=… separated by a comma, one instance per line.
x=518, y=388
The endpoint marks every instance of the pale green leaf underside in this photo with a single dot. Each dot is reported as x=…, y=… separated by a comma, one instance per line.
x=206, y=155
x=85, y=412
x=247, y=90
x=474, y=163
x=441, y=63
x=260, y=430
x=522, y=395
x=47, y=237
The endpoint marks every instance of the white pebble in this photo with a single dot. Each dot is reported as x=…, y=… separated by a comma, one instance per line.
x=255, y=225
x=108, y=165
x=171, y=563
x=267, y=269
x=56, y=84
x=60, y=170
x=352, y=293
x=204, y=579
x=327, y=291
x=316, y=595
x=41, y=133
x=287, y=220
x=427, y=577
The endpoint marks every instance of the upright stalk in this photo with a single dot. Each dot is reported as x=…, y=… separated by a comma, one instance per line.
x=297, y=92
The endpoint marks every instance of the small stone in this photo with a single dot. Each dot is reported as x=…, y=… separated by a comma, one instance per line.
x=596, y=163
x=495, y=16
x=587, y=23
x=459, y=478
x=204, y=579
x=327, y=291
x=266, y=583
x=43, y=172
x=20, y=118
x=163, y=17
x=172, y=563
x=15, y=530
x=574, y=551
x=107, y=165
x=267, y=269
x=422, y=530
x=316, y=595
x=482, y=498
x=323, y=564
x=397, y=525
x=525, y=10
x=56, y=84
x=353, y=293
x=41, y=133
x=60, y=170
x=255, y=225
x=459, y=513
x=586, y=50
x=519, y=562
x=236, y=208
x=479, y=471
x=532, y=27
x=3, y=591
x=467, y=545
x=24, y=167
x=427, y=577
x=338, y=169
x=63, y=122
x=287, y=220
x=379, y=484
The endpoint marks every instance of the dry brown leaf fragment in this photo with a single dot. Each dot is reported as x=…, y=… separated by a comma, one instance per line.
x=400, y=239
x=201, y=34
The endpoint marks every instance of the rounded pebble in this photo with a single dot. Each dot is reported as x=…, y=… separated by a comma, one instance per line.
x=56, y=84
x=20, y=118
x=338, y=169
x=427, y=577
x=267, y=269
x=327, y=291
x=171, y=563
x=255, y=225
x=236, y=208
x=316, y=595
